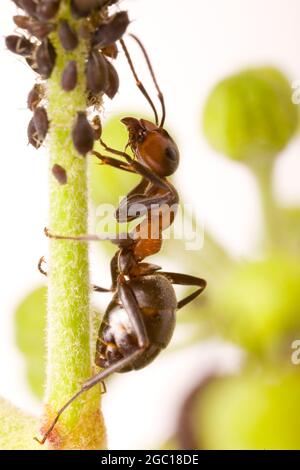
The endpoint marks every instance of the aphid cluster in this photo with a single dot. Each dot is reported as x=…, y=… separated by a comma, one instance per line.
x=140, y=319
x=92, y=23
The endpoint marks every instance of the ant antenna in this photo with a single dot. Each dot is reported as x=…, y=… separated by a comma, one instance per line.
x=159, y=93
x=137, y=80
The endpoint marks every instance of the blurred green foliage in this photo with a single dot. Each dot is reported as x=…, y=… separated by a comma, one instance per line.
x=30, y=321
x=256, y=410
x=250, y=117
x=17, y=428
x=257, y=305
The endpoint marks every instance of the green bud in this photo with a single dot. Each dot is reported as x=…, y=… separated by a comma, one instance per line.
x=258, y=306
x=251, y=114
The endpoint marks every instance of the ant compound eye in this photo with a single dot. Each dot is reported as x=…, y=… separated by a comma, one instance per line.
x=141, y=135
x=171, y=154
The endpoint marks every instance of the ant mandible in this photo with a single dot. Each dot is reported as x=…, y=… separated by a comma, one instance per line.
x=140, y=319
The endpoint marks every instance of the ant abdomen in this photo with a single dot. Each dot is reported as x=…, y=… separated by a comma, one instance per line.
x=157, y=302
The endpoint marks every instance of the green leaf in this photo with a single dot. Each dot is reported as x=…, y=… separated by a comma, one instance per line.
x=17, y=429
x=30, y=327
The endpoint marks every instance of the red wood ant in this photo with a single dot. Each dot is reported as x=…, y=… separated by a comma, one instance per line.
x=140, y=319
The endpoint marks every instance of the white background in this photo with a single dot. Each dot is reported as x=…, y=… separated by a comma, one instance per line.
x=193, y=44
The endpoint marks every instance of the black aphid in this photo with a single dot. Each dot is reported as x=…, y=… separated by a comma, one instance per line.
x=35, y=96
x=113, y=81
x=29, y=6
x=67, y=36
x=19, y=45
x=96, y=73
x=47, y=9
x=33, y=135
x=69, y=76
x=60, y=174
x=41, y=122
x=82, y=134
x=111, y=31
x=82, y=8
x=45, y=58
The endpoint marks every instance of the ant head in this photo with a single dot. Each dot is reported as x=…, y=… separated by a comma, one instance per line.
x=150, y=142
x=153, y=146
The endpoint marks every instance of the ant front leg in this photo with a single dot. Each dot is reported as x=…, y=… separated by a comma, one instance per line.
x=133, y=197
x=137, y=167
x=132, y=308
x=186, y=280
x=114, y=162
x=136, y=195
x=119, y=153
x=131, y=166
x=145, y=203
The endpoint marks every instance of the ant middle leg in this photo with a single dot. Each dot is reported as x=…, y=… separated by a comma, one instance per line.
x=122, y=241
x=94, y=287
x=133, y=166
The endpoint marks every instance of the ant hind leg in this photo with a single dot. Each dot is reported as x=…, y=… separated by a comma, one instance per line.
x=186, y=280
x=42, y=271
x=117, y=366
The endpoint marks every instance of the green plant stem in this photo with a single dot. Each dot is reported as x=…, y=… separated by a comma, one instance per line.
x=262, y=168
x=68, y=330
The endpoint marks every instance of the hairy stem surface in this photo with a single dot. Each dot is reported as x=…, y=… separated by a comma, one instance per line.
x=69, y=359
